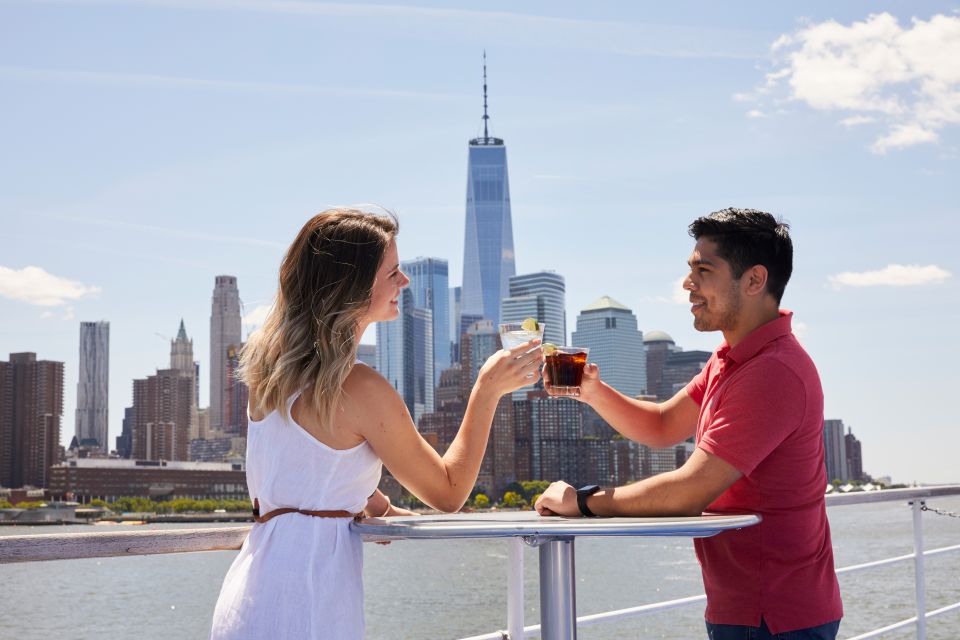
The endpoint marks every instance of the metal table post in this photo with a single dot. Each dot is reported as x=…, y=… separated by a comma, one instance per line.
x=558, y=590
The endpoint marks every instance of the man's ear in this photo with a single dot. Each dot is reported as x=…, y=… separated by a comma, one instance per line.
x=755, y=280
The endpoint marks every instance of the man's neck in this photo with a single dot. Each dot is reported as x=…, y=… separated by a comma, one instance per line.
x=750, y=320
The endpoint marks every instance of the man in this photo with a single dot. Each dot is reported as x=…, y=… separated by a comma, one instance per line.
x=756, y=410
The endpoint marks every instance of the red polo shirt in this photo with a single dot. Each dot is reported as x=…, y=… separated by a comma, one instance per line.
x=761, y=410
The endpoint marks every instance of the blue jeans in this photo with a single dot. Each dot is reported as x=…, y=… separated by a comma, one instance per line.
x=737, y=632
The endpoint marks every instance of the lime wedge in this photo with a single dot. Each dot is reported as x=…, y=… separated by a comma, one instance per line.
x=548, y=348
x=530, y=324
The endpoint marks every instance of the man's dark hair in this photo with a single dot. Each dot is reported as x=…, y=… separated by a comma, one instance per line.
x=747, y=237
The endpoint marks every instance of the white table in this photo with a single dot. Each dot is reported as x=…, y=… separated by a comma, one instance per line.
x=555, y=538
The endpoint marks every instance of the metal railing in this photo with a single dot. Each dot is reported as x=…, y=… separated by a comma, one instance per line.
x=32, y=548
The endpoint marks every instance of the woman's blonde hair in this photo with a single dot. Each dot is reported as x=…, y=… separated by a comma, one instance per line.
x=308, y=341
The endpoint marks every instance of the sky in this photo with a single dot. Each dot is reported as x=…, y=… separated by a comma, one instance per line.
x=147, y=146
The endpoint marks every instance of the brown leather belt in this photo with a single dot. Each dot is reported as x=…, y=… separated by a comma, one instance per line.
x=260, y=519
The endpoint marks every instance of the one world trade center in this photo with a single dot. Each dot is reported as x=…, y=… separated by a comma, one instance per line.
x=488, y=260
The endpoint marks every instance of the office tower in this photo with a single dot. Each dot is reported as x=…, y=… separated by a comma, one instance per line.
x=555, y=427
x=679, y=369
x=609, y=330
x=854, y=457
x=540, y=295
x=455, y=324
x=481, y=340
x=405, y=355
x=163, y=408
x=31, y=406
x=367, y=354
x=181, y=359
x=835, y=450
x=428, y=284
x=488, y=259
x=237, y=396
x=225, y=331
x=658, y=346
x=125, y=439
x=93, y=385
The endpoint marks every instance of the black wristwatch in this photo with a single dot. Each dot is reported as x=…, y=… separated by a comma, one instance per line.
x=582, y=494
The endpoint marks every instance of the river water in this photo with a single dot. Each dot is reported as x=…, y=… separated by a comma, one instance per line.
x=454, y=589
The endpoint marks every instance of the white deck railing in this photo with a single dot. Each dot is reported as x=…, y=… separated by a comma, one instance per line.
x=31, y=548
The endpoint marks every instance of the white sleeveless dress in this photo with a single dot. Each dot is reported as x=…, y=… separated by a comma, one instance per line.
x=298, y=576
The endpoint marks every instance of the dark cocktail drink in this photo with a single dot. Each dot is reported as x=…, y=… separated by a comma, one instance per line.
x=564, y=368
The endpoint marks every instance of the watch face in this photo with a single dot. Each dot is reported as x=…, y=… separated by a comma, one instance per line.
x=589, y=490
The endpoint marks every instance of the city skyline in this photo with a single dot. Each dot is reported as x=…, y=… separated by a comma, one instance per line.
x=624, y=124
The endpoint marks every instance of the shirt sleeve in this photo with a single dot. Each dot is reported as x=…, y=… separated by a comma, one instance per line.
x=697, y=387
x=754, y=414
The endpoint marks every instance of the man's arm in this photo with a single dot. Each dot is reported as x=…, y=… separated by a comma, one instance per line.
x=652, y=424
x=686, y=491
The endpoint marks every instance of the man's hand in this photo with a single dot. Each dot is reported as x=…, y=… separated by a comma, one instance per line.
x=560, y=499
x=589, y=385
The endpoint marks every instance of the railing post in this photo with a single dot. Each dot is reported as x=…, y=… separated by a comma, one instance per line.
x=515, y=588
x=918, y=576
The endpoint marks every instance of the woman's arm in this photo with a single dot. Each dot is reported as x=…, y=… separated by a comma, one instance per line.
x=443, y=482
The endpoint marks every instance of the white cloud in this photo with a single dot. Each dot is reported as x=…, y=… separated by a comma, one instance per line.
x=904, y=135
x=256, y=317
x=854, y=121
x=904, y=78
x=36, y=286
x=893, y=275
x=756, y=113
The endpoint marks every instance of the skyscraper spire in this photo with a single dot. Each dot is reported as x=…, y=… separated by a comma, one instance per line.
x=485, y=116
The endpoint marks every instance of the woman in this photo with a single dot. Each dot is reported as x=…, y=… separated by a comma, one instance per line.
x=320, y=427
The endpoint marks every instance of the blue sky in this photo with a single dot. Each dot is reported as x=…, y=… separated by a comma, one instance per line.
x=148, y=146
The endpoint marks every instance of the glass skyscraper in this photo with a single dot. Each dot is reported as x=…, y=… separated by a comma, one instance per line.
x=609, y=329
x=405, y=355
x=429, y=284
x=488, y=259
x=92, y=387
x=539, y=295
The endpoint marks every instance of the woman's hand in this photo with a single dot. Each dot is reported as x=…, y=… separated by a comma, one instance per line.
x=509, y=370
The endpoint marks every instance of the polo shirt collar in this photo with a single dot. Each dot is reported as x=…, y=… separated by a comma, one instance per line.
x=758, y=338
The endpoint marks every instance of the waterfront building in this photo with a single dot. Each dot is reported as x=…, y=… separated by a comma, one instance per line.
x=488, y=257
x=854, y=457
x=609, y=330
x=367, y=354
x=835, y=450
x=556, y=424
x=658, y=345
x=540, y=295
x=429, y=286
x=125, y=439
x=225, y=332
x=88, y=479
x=181, y=359
x=625, y=464
x=679, y=369
x=237, y=396
x=93, y=385
x=405, y=355
x=218, y=449
x=31, y=407
x=454, y=306
x=162, y=412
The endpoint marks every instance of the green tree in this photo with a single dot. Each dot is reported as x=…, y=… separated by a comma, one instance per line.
x=97, y=502
x=533, y=488
x=481, y=501
x=513, y=500
x=5, y=505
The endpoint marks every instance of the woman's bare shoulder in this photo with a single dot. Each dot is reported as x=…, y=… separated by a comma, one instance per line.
x=369, y=393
